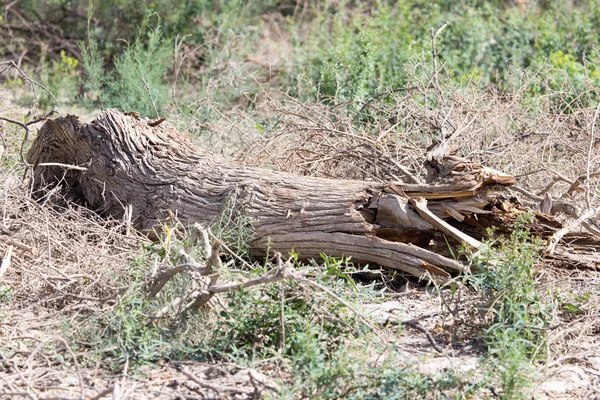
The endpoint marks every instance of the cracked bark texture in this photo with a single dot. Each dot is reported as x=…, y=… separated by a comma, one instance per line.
x=157, y=172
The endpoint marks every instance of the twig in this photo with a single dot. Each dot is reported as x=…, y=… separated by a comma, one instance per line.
x=71, y=352
x=566, y=324
x=589, y=158
x=553, y=182
x=562, y=206
x=25, y=126
x=575, y=185
x=434, y=54
x=30, y=389
x=19, y=394
x=279, y=275
x=67, y=166
x=526, y=193
x=103, y=393
x=284, y=271
x=116, y=393
x=555, y=238
x=387, y=92
x=373, y=143
x=124, y=373
x=414, y=324
x=207, y=294
x=5, y=262
x=151, y=99
x=259, y=381
x=528, y=173
x=215, y=388
x=161, y=280
x=568, y=357
x=364, y=319
x=31, y=82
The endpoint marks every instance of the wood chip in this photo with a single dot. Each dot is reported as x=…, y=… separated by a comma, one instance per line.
x=420, y=205
x=11, y=242
x=157, y=122
x=5, y=263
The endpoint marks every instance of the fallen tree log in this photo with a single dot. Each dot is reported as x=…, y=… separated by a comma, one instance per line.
x=120, y=164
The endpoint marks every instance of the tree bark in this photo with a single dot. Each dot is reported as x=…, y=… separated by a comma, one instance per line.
x=119, y=161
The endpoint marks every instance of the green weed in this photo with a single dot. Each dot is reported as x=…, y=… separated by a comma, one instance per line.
x=514, y=335
x=92, y=63
x=138, y=81
x=6, y=293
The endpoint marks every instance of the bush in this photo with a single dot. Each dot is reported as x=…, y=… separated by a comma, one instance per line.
x=515, y=334
x=138, y=82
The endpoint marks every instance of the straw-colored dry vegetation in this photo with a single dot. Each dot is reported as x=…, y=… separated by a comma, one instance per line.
x=91, y=307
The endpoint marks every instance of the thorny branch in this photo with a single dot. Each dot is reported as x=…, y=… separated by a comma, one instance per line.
x=25, y=125
x=11, y=64
x=161, y=280
x=285, y=270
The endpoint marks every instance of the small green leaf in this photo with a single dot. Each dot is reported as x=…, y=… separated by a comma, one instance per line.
x=570, y=307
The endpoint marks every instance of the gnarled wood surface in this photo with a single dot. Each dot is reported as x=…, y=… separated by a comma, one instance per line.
x=123, y=162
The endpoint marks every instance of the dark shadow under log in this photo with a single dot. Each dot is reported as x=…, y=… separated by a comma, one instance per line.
x=118, y=162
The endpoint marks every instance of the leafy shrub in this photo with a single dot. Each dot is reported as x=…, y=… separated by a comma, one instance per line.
x=138, y=81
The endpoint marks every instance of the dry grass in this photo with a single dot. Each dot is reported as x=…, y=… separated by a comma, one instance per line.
x=71, y=250
x=390, y=137
x=68, y=265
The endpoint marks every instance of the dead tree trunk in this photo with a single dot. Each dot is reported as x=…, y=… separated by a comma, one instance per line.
x=118, y=163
